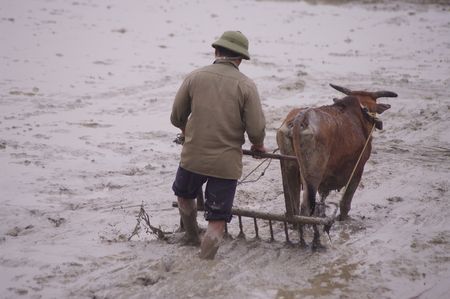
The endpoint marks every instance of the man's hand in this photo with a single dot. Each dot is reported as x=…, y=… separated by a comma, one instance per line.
x=258, y=148
x=180, y=137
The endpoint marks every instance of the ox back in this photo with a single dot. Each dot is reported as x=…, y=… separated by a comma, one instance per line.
x=327, y=142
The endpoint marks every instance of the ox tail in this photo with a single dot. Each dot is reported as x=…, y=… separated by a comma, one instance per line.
x=305, y=146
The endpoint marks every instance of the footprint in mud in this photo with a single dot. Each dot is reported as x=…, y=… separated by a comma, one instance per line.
x=394, y=199
x=295, y=86
x=103, y=62
x=31, y=93
x=133, y=171
x=37, y=213
x=56, y=189
x=41, y=136
x=442, y=238
x=121, y=30
x=92, y=124
x=21, y=292
x=117, y=147
x=57, y=222
x=151, y=135
x=147, y=280
x=12, y=20
x=108, y=186
x=16, y=231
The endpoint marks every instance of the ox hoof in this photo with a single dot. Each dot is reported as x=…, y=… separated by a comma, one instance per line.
x=342, y=217
x=241, y=236
x=318, y=247
x=302, y=244
x=227, y=236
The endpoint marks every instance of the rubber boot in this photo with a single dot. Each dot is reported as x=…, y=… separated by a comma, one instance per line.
x=211, y=240
x=188, y=213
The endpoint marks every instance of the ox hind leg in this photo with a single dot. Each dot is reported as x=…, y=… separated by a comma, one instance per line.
x=316, y=210
x=290, y=176
x=319, y=211
x=314, y=171
x=346, y=201
x=290, y=173
x=310, y=208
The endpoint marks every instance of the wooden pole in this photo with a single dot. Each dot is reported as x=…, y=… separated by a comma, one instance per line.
x=269, y=155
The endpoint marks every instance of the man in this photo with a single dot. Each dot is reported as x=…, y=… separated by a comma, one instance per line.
x=214, y=107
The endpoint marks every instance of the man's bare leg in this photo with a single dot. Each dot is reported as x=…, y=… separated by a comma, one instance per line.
x=211, y=239
x=188, y=213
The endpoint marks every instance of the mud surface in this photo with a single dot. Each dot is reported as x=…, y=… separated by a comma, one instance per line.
x=86, y=89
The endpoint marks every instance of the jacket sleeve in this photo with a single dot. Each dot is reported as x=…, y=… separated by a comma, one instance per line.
x=253, y=118
x=181, y=106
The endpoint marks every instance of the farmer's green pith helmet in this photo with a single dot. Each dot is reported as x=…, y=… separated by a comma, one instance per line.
x=234, y=41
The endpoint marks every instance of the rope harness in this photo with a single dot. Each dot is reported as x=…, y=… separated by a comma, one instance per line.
x=180, y=140
x=376, y=121
x=244, y=180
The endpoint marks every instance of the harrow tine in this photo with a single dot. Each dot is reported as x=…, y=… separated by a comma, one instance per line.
x=296, y=220
x=286, y=232
x=241, y=230
x=256, y=228
x=271, y=231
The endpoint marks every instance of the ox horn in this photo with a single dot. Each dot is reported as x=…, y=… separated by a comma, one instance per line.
x=385, y=94
x=341, y=89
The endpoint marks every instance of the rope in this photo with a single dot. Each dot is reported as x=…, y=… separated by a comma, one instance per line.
x=244, y=180
x=359, y=159
x=180, y=140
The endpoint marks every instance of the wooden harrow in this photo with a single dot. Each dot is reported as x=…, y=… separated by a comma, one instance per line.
x=288, y=218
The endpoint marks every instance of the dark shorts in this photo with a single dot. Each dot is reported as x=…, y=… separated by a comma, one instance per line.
x=219, y=193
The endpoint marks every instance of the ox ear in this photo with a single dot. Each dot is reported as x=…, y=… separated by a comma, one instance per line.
x=341, y=89
x=382, y=107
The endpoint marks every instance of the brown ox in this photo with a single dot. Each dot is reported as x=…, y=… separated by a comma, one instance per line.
x=327, y=141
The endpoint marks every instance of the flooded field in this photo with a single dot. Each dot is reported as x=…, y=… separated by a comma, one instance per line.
x=86, y=90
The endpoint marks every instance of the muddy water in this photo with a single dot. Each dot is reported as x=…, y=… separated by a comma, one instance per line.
x=85, y=95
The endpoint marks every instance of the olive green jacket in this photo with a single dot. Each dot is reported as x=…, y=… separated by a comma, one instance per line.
x=215, y=105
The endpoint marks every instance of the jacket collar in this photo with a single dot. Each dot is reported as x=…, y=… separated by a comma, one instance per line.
x=226, y=61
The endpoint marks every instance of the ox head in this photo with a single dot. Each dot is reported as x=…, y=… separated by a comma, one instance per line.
x=368, y=99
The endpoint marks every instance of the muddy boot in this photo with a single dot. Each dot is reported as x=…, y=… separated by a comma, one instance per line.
x=211, y=240
x=188, y=213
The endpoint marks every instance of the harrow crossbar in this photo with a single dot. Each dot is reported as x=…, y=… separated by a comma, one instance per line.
x=294, y=219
